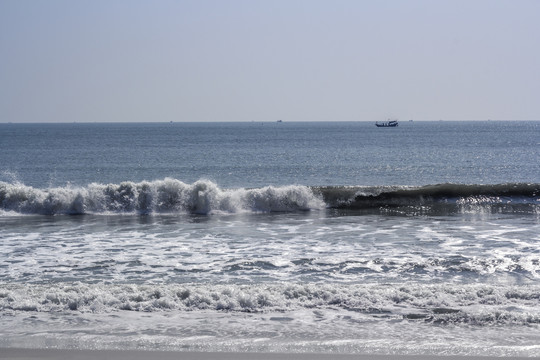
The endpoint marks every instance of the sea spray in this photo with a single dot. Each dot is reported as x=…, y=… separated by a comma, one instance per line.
x=159, y=196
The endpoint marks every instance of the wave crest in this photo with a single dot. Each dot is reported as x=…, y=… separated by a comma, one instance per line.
x=162, y=196
x=205, y=197
x=435, y=199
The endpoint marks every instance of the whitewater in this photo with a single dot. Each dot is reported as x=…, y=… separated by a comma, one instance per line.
x=204, y=197
x=272, y=237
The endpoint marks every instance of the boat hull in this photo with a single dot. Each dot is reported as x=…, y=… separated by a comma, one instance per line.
x=388, y=124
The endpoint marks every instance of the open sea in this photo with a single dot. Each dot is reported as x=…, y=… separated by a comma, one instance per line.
x=336, y=237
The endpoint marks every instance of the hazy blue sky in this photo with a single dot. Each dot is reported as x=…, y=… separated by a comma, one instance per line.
x=231, y=60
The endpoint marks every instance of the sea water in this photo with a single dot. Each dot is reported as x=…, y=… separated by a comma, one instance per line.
x=272, y=237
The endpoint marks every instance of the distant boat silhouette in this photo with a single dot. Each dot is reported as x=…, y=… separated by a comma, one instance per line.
x=389, y=123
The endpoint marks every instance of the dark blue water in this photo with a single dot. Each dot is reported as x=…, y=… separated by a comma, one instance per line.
x=260, y=154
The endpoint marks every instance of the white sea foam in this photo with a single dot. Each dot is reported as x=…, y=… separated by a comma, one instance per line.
x=305, y=246
x=472, y=304
x=162, y=196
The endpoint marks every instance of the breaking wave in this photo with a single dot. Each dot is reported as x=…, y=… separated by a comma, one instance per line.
x=161, y=196
x=470, y=304
x=205, y=197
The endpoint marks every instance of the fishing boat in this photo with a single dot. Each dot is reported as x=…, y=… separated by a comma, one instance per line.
x=389, y=123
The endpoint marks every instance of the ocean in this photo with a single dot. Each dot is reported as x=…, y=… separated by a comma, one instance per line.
x=295, y=237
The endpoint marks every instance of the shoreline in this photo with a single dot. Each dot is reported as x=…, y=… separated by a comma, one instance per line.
x=36, y=353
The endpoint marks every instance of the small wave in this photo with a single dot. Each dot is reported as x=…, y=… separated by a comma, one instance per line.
x=161, y=196
x=472, y=304
x=205, y=197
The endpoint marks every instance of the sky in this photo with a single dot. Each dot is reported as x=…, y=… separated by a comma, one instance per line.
x=255, y=60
